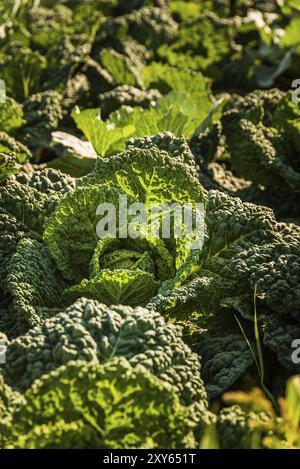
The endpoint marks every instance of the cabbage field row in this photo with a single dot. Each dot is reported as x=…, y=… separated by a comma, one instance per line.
x=150, y=224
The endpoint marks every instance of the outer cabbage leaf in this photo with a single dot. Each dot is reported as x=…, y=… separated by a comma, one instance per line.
x=177, y=112
x=176, y=147
x=27, y=205
x=184, y=82
x=241, y=237
x=127, y=96
x=212, y=44
x=32, y=197
x=11, y=232
x=101, y=406
x=43, y=112
x=29, y=277
x=260, y=135
x=151, y=26
x=75, y=157
x=246, y=249
x=269, y=163
x=9, y=145
x=93, y=332
x=34, y=284
x=120, y=67
x=8, y=166
x=10, y=401
x=11, y=115
x=47, y=181
x=224, y=352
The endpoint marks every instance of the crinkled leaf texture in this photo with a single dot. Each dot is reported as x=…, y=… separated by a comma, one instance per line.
x=47, y=181
x=224, y=352
x=262, y=137
x=10, y=401
x=8, y=166
x=11, y=115
x=236, y=427
x=30, y=280
x=26, y=204
x=245, y=248
x=150, y=175
x=87, y=405
x=128, y=286
x=91, y=331
x=9, y=145
x=34, y=283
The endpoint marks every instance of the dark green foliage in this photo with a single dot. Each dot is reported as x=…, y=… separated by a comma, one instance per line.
x=47, y=181
x=127, y=95
x=224, y=351
x=175, y=147
x=43, y=112
x=259, y=135
x=34, y=284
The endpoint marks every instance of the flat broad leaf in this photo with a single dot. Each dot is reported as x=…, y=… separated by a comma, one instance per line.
x=101, y=135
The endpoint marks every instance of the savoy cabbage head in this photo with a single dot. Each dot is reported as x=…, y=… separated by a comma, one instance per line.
x=120, y=268
x=259, y=136
x=88, y=405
